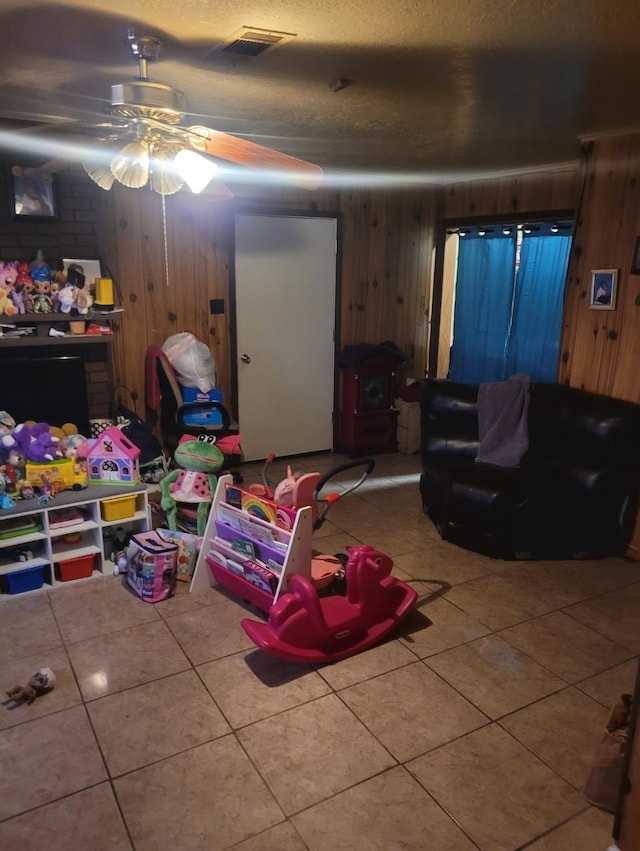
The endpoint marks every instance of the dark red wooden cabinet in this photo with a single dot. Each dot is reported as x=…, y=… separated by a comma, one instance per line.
x=368, y=421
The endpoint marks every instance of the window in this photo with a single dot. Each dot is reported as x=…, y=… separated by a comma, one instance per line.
x=502, y=301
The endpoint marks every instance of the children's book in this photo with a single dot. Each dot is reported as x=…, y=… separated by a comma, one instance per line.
x=261, y=507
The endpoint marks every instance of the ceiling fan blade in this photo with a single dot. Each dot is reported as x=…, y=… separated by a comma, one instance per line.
x=218, y=191
x=224, y=146
x=53, y=165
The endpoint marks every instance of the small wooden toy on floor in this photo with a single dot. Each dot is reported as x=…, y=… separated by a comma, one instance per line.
x=40, y=683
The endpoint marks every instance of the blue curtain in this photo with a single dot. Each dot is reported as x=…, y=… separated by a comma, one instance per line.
x=534, y=337
x=482, y=312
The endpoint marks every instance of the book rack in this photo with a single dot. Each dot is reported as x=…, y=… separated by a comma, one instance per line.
x=251, y=546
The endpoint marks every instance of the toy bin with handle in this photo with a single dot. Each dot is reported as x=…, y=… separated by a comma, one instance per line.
x=152, y=566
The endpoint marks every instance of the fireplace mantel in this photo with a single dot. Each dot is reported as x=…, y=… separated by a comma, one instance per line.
x=43, y=322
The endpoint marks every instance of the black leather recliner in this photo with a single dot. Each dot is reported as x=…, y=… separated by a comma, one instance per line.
x=574, y=494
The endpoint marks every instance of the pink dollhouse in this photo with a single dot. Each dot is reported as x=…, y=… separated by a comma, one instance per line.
x=113, y=459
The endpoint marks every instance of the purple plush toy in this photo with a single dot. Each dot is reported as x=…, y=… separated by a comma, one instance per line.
x=36, y=441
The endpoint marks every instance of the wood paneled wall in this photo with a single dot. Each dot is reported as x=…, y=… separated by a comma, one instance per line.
x=534, y=192
x=387, y=250
x=387, y=259
x=388, y=240
x=601, y=348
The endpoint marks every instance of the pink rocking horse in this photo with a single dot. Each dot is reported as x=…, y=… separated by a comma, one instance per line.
x=304, y=627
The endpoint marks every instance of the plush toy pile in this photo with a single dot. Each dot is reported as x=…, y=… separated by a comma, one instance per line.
x=36, y=288
x=38, y=443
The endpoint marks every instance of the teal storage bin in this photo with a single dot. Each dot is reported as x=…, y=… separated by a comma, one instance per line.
x=19, y=581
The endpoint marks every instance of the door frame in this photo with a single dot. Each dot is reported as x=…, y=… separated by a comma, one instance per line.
x=278, y=212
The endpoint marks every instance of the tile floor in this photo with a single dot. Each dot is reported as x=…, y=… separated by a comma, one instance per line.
x=472, y=727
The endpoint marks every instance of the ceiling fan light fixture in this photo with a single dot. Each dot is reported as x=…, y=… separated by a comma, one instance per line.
x=196, y=171
x=163, y=176
x=131, y=166
x=100, y=174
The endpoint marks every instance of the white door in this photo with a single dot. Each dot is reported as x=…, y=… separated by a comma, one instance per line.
x=285, y=291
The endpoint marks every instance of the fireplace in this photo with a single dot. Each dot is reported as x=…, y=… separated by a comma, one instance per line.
x=55, y=384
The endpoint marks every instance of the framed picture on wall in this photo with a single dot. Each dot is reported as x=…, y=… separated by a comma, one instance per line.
x=603, y=289
x=32, y=194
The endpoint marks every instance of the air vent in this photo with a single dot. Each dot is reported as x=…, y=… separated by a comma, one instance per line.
x=249, y=42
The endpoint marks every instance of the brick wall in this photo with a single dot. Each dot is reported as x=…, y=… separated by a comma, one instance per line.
x=72, y=233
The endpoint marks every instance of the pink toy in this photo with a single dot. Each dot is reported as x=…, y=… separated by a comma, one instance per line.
x=151, y=566
x=8, y=275
x=304, y=627
x=113, y=459
x=285, y=490
x=295, y=491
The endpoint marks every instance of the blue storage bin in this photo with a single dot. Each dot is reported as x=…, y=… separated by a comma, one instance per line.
x=205, y=417
x=19, y=581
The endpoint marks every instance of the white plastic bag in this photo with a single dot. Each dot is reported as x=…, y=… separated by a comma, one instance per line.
x=192, y=361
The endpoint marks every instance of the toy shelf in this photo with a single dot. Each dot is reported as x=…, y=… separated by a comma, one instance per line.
x=60, y=531
x=139, y=515
x=227, y=522
x=47, y=546
x=23, y=565
x=22, y=539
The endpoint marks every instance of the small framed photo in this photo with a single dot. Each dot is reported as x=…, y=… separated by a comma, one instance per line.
x=91, y=269
x=635, y=261
x=603, y=289
x=32, y=194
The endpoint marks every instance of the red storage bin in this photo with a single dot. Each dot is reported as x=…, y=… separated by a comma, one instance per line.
x=76, y=568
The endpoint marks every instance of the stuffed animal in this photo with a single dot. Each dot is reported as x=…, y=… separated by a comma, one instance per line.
x=76, y=446
x=13, y=469
x=199, y=458
x=8, y=275
x=6, y=305
x=284, y=491
x=14, y=445
x=55, y=296
x=36, y=441
x=67, y=298
x=65, y=430
x=7, y=423
x=18, y=298
x=40, y=683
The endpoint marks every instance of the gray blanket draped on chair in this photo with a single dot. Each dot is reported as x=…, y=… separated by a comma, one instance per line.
x=502, y=421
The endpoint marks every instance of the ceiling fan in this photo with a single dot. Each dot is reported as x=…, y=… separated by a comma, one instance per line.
x=146, y=143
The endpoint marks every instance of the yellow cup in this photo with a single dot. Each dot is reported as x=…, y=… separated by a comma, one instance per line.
x=104, y=294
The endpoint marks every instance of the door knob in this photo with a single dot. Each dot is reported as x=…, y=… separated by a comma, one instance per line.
x=245, y=358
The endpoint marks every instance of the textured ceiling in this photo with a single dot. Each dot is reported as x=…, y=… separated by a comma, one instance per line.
x=443, y=88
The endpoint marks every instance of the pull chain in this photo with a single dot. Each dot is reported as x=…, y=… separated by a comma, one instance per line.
x=164, y=240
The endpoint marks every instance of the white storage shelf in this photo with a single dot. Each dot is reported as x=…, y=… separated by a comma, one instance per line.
x=49, y=541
